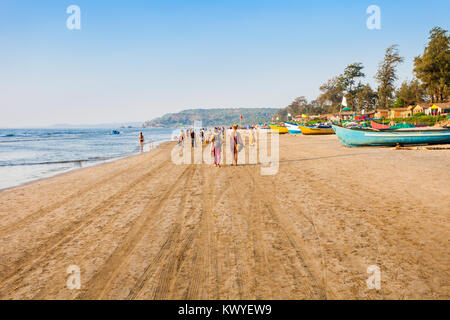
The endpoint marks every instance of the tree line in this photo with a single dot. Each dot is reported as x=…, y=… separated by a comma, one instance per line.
x=431, y=82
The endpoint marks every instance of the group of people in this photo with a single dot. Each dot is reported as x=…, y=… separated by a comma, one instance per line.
x=215, y=137
x=201, y=136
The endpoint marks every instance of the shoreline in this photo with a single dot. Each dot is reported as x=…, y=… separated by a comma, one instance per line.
x=67, y=171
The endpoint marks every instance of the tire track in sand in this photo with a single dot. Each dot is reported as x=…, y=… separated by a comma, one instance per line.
x=101, y=282
x=167, y=262
x=16, y=225
x=205, y=272
x=242, y=272
x=338, y=194
x=269, y=201
x=262, y=268
x=140, y=191
x=55, y=244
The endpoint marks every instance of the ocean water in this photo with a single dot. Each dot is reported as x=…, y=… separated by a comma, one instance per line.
x=30, y=154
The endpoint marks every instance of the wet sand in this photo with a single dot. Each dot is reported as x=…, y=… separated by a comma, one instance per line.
x=145, y=228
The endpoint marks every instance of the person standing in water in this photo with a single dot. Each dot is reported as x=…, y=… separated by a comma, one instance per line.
x=141, y=142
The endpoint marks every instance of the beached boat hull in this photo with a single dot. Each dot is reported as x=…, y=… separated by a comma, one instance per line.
x=293, y=128
x=315, y=130
x=361, y=137
x=281, y=130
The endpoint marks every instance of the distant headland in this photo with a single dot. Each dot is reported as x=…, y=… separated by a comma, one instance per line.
x=212, y=117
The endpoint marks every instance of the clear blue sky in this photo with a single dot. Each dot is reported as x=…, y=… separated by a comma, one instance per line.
x=136, y=60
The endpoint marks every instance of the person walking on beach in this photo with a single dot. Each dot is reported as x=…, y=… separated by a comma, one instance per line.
x=216, y=146
x=141, y=142
x=235, y=143
x=192, y=138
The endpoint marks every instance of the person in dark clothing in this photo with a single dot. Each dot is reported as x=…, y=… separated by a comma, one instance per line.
x=193, y=138
x=141, y=142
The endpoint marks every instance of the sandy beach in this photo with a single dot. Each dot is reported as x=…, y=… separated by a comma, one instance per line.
x=145, y=228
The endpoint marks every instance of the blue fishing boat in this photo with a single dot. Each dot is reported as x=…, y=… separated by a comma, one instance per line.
x=354, y=137
x=115, y=132
x=293, y=128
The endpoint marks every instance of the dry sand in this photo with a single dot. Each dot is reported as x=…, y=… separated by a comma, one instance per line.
x=144, y=228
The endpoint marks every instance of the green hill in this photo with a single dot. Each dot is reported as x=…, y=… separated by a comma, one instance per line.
x=213, y=117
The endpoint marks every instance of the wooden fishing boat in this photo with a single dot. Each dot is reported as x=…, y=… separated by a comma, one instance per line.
x=281, y=129
x=354, y=137
x=293, y=128
x=316, y=130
